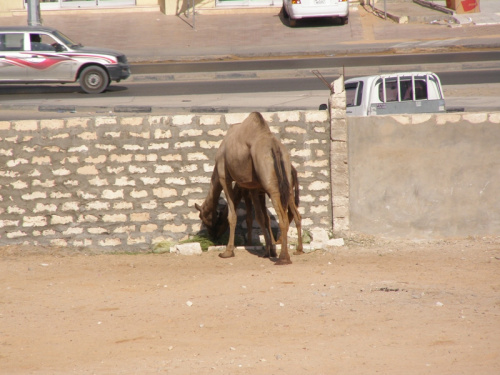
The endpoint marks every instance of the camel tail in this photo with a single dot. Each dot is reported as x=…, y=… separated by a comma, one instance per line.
x=295, y=182
x=283, y=184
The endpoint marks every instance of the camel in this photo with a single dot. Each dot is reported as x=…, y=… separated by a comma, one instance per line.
x=251, y=157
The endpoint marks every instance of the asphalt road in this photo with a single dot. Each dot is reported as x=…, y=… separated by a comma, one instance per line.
x=230, y=86
x=472, y=57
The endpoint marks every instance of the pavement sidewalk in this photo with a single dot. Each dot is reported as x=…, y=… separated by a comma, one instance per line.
x=435, y=12
x=152, y=36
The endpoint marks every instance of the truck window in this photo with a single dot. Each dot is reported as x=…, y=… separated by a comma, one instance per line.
x=420, y=89
x=406, y=89
x=391, y=90
x=407, y=86
x=354, y=94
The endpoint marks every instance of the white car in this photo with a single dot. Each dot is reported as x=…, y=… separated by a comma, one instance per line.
x=37, y=54
x=298, y=9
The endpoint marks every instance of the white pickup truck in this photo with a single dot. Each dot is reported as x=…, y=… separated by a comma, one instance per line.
x=387, y=94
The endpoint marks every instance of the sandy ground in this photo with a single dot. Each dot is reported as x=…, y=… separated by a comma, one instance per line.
x=370, y=307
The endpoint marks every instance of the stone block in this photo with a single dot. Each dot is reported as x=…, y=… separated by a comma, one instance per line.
x=193, y=248
x=26, y=125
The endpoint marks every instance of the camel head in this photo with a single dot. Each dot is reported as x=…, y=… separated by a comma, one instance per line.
x=215, y=222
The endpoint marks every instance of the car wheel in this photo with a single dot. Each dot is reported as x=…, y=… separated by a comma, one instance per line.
x=344, y=21
x=94, y=80
x=291, y=22
x=284, y=12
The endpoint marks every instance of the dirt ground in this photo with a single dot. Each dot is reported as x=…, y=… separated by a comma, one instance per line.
x=372, y=306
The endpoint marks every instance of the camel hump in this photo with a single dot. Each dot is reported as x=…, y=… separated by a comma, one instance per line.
x=257, y=119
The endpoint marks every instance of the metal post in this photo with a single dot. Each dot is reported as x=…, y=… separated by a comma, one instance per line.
x=34, y=18
x=194, y=14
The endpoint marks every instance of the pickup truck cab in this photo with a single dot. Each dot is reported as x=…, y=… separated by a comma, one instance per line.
x=387, y=94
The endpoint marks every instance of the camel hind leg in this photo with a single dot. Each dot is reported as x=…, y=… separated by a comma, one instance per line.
x=263, y=220
x=284, y=257
x=293, y=213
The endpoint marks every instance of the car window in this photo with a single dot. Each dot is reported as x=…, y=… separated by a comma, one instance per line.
x=42, y=42
x=354, y=93
x=12, y=42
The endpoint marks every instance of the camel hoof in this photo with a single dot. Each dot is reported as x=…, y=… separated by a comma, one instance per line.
x=227, y=254
x=283, y=262
x=298, y=252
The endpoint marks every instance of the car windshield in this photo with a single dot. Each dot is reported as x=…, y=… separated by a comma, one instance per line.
x=66, y=40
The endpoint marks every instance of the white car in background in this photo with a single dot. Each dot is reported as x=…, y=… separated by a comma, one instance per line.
x=298, y=9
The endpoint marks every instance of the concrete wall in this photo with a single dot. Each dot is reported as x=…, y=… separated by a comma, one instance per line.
x=9, y=5
x=425, y=176
x=127, y=182
x=147, y=2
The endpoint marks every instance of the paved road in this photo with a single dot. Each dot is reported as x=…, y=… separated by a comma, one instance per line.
x=156, y=37
x=218, y=87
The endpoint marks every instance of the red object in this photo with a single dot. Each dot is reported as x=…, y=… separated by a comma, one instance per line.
x=469, y=5
x=463, y=6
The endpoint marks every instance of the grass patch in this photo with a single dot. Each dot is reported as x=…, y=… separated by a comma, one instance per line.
x=162, y=247
x=205, y=241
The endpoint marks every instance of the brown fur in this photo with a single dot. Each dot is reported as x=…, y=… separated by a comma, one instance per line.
x=244, y=194
x=253, y=158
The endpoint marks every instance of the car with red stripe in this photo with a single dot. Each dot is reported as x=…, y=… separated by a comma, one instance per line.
x=39, y=54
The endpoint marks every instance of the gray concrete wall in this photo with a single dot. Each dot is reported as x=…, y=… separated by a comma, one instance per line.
x=127, y=182
x=425, y=176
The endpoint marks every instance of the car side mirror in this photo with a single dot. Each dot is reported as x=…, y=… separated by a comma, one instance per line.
x=60, y=48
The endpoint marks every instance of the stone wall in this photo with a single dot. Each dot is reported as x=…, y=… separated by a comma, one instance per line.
x=128, y=182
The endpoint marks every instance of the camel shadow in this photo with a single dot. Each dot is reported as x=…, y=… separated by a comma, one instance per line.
x=255, y=246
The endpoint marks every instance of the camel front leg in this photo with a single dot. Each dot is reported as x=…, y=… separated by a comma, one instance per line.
x=232, y=219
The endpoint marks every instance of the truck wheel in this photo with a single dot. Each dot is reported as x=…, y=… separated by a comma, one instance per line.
x=94, y=80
